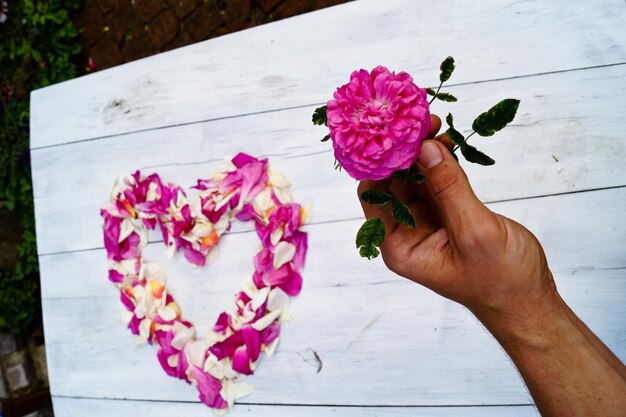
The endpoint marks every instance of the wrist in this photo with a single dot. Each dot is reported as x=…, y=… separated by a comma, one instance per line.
x=536, y=325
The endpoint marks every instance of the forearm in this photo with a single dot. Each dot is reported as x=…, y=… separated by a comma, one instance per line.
x=602, y=349
x=568, y=371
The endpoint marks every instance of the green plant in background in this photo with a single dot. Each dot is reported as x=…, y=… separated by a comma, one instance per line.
x=38, y=47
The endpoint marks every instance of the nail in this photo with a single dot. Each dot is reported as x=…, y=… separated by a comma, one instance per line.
x=431, y=155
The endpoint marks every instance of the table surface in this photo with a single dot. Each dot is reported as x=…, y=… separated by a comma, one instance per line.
x=388, y=347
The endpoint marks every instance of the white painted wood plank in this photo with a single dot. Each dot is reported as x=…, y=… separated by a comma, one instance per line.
x=568, y=136
x=579, y=232
x=300, y=60
x=395, y=343
x=72, y=407
x=377, y=329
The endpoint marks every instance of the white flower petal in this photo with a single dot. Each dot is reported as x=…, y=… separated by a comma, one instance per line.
x=173, y=360
x=126, y=229
x=271, y=348
x=306, y=213
x=144, y=328
x=266, y=320
x=182, y=335
x=283, y=194
x=276, y=235
x=202, y=229
x=151, y=195
x=263, y=201
x=140, y=311
x=278, y=299
x=221, y=201
x=195, y=352
x=276, y=179
x=283, y=253
x=259, y=298
x=166, y=313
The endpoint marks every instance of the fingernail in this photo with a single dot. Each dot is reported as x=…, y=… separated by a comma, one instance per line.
x=431, y=155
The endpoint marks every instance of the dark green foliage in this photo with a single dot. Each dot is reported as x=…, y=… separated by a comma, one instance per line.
x=38, y=47
x=446, y=97
x=473, y=155
x=402, y=214
x=455, y=136
x=446, y=67
x=450, y=120
x=376, y=197
x=496, y=118
x=319, y=116
x=369, y=238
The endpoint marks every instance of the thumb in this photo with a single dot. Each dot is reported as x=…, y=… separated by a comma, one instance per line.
x=449, y=187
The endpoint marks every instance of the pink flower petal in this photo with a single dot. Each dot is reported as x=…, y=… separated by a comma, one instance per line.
x=228, y=346
x=209, y=389
x=270, y=333
x=241, y=361
x=170, y=370
x=222, y=322
x=115, y=276
x=252, y=340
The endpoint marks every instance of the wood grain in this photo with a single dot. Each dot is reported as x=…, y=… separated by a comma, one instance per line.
x=568, y=136
x=299, y=61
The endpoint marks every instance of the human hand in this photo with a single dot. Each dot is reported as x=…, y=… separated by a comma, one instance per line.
x=459, y=248
x=497, y=269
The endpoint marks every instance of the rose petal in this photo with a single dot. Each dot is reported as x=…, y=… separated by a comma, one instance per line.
x=241, y=361
x=166, y=313
x=283, y=253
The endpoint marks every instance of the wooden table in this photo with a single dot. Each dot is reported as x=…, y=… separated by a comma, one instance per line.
x=388, y=346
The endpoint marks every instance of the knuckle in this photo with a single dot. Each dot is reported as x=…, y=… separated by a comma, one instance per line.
x=480, y=234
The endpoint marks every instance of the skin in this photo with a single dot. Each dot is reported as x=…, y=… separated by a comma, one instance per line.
x=498, y=270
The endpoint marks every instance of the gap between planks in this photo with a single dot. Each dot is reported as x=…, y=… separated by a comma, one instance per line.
x=235, y=116
x=303, y=404
x=349, y=219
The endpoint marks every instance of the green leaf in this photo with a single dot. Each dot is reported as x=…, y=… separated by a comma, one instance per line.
x=408, y=176
x=447, y=97
x=446, y=67
x=455, y=136
x=475, y=156
x=338, y=165
x=369, y=237
x=496, y=118
x=450, y=120
x=376, y=197
x=431, y=92
x=319, y=116
x=416, y=178
x=402, y=174
x=369, y=252
x=402, y=214
x=325, y=138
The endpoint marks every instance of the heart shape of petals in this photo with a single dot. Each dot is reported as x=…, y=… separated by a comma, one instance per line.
x=246, y=190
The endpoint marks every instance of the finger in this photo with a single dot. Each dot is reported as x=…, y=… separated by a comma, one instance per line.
x=449, y=188
x=435, y=125
x=445, y=140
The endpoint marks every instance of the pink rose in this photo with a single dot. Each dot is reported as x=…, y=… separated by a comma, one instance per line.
x=377, y=123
